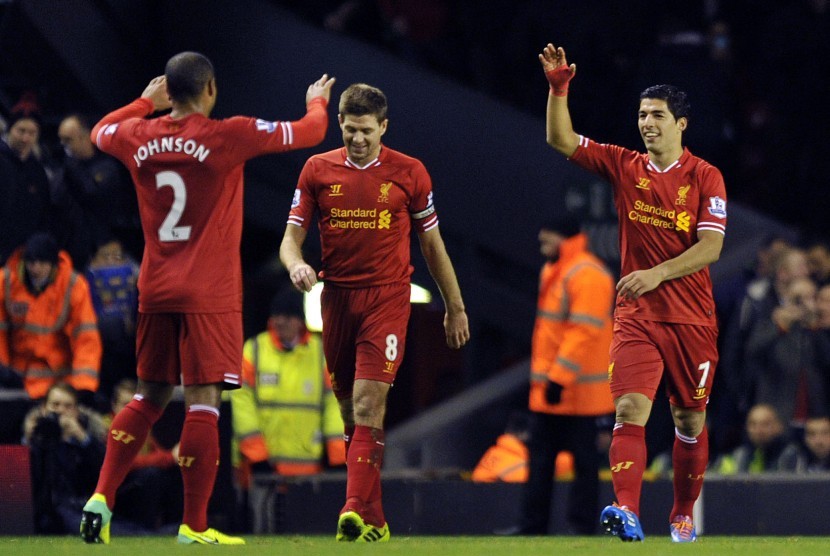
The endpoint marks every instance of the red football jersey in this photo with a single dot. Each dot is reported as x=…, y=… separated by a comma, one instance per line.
x=364, y=214
x=188, y=179
x=660, y=213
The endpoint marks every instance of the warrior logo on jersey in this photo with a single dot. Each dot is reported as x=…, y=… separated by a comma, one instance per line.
x=717, y=207
x=384, y=192
x=681, y=194
x=263, y=125
x=296, y=201
x=335, y=190
x=643, y=184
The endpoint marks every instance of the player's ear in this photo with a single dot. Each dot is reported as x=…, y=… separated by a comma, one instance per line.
x=682, y=123
x=383, y=125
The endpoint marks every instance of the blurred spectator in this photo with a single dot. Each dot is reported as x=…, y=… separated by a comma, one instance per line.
x=96, y=198
x=818, y=260
x=506, y=460
x=66, y=443
x=822, y=337
x=817, y=444
x=25, y=198
x=781, y=356
x=285, y=416
x=113, y=275
x=568, y=376
x=767, y=446
x=762, y=297
x=48, y=328
x=150, y=498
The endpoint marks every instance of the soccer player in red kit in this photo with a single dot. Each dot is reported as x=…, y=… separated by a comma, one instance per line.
x=187, y=170
x=368, y=197
x=672, y=219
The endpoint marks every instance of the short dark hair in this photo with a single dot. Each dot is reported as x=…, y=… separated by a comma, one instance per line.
x=361, y=99
x=187, y=75
x=288, y=302
x=676, y=100
x=41, y=247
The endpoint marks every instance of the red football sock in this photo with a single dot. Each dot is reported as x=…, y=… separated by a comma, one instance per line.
x=199, y=460
x=628, y=461
x=348, y=434
x=689, y=457
x=365, y=457
x=127, y=435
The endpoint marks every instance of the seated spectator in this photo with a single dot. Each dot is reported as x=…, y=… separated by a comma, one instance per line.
x=818, y=259
x=26, y=206
x=113, y=276
x=285, y=414
x=767, y=446
x=67, y=444
x=817, y=445
x=150, y=498
x=48, y=324
x=96, y=199
x=507, y=460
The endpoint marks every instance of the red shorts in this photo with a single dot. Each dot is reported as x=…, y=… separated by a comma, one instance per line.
x=364, y=333
x=641, y=351
x=190, y=348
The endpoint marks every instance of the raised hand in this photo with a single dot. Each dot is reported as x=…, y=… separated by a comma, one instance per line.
x=557, y=70
x=320, y=88
x=156, y=91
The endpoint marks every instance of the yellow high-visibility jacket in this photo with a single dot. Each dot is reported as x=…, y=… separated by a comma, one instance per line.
x=285, y=412
x=572, y=334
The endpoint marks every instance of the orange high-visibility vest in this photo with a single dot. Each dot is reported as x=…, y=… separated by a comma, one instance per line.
x=572, y=333
x=51, y=337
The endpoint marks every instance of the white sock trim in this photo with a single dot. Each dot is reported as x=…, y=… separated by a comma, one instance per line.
x=686, y=439
x=206, y=408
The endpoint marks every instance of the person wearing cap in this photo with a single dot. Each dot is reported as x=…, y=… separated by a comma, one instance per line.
x=285, y=416
x=569, y=387
x=48, y=328
x=25, y=202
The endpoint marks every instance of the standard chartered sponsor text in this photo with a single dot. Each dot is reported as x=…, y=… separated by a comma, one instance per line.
x=652, y=215
x=353, y=219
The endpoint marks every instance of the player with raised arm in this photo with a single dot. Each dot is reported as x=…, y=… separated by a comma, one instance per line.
x=672, y=220
x=368, y=197
x=187, y=170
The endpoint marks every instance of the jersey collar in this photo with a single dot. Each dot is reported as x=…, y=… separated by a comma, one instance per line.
x=676, y=164
x=372, y=164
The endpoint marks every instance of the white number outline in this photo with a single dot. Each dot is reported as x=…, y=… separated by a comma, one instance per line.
x=169, y=231
x=391, y=347
x=705, y=366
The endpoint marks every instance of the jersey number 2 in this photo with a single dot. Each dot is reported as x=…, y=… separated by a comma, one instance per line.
x=169, y=231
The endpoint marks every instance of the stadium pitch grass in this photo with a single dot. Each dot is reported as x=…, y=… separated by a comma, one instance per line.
x=314, y=545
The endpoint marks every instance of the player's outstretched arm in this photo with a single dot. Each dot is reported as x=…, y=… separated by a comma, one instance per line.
x=456, y=325
x=560, y=132
x=291, y=254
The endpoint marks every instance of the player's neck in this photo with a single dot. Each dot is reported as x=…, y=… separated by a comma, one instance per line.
x=664, y=159
x=182, y=110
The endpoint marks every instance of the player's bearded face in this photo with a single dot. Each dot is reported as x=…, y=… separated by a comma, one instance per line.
x=361, y=135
